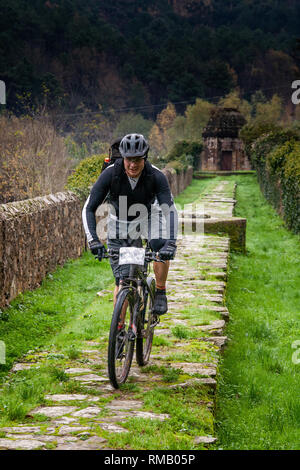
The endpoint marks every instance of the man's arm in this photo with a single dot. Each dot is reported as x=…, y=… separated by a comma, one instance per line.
x=98, y=194
x=166, y=202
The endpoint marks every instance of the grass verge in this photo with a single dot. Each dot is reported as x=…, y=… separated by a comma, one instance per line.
x=194, y=191
x=258, y=393
x=34, y=317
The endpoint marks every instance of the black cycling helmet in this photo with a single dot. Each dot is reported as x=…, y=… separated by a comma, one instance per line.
x=134, y=145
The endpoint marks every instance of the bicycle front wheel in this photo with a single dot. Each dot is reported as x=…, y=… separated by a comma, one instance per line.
x=120, y=346
x=145, y=336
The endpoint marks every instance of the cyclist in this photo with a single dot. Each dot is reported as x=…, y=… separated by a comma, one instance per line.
x=132, y=185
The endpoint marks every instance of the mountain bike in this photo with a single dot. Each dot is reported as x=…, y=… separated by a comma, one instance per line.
x=133, y=319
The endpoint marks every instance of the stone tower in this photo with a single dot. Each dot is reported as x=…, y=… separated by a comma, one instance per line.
x=223, y=149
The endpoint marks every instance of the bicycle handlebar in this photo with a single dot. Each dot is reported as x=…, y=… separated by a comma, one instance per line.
x=149, y=256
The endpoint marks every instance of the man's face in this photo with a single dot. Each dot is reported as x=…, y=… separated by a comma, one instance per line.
x=134, y=166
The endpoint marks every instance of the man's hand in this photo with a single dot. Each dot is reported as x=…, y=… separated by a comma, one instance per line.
x=98, y=249
x=168, y=250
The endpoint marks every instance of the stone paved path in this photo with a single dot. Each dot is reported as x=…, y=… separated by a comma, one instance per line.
x=196, y=286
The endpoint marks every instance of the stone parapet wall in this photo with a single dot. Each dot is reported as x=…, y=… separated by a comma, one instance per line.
x=36, y=235
x=178, y=181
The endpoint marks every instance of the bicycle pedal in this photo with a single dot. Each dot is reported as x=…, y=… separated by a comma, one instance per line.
x=155, y=322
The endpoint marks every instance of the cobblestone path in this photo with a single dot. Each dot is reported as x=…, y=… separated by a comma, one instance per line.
x=194, y=324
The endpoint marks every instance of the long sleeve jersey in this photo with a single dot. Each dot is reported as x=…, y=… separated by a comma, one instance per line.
x=141, y=194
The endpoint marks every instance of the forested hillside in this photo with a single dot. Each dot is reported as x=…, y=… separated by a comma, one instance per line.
x=130, y=53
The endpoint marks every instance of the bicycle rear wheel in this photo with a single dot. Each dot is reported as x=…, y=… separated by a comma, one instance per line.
x=120, y=347
x=145, y=336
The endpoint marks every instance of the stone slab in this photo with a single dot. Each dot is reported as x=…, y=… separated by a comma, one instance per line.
x=53, y=411
x=124, y=404
x=71, y=397
x=110, y=427
x=24, y=444
x=213, y=325
x=204, y=440
x=23, y=366
x=210, y=382
x=93, y=443
x=149, y=415
x=66, y=430
x=21, y=429
x=78, y=370
x=195, y=368
x=219, y=341
x=90, y=378
x=88, y=412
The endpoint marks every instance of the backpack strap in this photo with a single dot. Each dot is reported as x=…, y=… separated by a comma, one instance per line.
x=116, y=178
x=150, y=180
x=117, y=175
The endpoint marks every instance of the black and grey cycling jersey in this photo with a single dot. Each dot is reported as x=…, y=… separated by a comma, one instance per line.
x=154, y=198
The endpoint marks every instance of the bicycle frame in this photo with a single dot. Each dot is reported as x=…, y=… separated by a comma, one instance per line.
x=137, y=279
x=137, y=293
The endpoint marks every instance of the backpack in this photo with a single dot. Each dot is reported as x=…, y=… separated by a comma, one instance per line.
x=109, y=161
x=114, y=154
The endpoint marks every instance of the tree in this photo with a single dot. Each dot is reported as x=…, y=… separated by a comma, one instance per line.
x=233, y=100
x=156, y=141
x=166, y=118
x=269, y=112
x=159, y=138
x=133, y=123
x=197, y=116
x=33, y=158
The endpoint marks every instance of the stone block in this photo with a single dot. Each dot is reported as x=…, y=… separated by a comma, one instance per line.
x=235, y=227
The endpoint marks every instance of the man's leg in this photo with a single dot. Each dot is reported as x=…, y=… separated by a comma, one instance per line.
x=117, y=288
x=161, y=273
x=124, y=309
x=114, y=263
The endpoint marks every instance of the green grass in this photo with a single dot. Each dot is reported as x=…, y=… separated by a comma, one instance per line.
x=258, y=394
x=194, y=191
x=35, y=316
x=26, y=389
x=182, y=332
x=188, y=419
x=77, y=314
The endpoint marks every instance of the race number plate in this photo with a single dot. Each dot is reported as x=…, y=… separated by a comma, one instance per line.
x=132, y=255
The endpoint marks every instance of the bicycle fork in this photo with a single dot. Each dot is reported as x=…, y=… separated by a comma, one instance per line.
x=132, y=333
x=135, y=328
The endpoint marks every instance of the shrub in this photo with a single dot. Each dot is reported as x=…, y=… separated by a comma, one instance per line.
x=184, y=150
x=267, y=142
x=34, y=160
x=276, y=160
x=85, y=175
x=276, y=157
x=283, y=167
x=176, y=165
x=251, y=132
